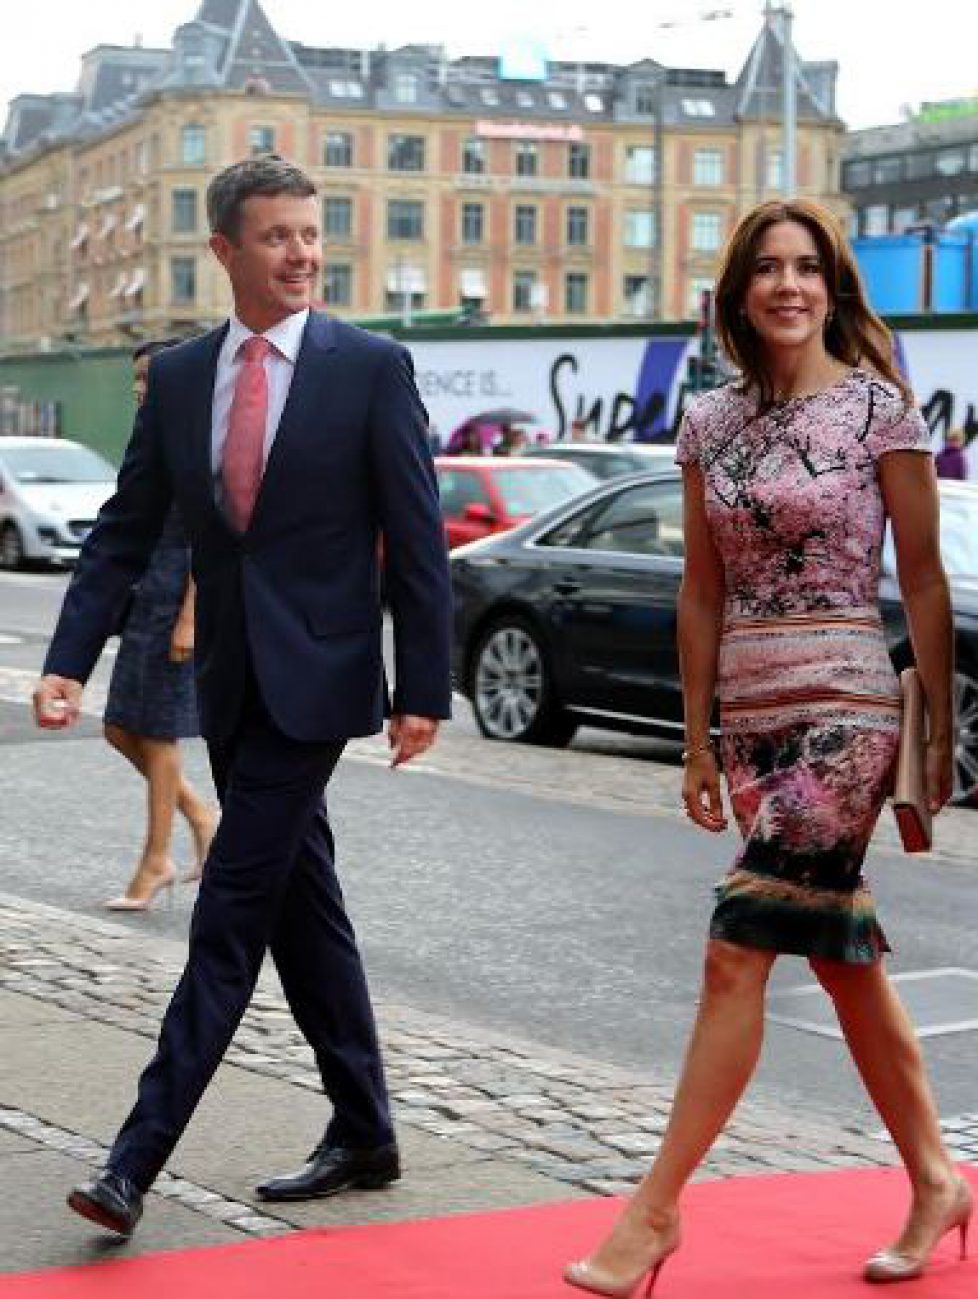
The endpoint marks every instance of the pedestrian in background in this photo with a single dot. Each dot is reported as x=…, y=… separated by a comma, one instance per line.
x=152, y=702
x=951, y=461
x=788, y=476
x=290, y=441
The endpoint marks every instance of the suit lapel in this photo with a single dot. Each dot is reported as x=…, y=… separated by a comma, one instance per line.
x=317, y=354
x=201, y=386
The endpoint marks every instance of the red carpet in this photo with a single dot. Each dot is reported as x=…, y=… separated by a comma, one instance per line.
x=772, y=1237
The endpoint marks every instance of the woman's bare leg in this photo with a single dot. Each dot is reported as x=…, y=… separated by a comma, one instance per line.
x=721, y=1057
x=197, y=811
x=885, y=1050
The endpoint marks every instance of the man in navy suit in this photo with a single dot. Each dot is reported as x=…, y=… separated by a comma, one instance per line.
x=291, y=442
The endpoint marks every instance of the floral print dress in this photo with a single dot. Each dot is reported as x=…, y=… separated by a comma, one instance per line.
x=809, y=701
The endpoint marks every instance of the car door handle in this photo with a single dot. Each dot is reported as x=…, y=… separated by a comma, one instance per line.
x=567, y=586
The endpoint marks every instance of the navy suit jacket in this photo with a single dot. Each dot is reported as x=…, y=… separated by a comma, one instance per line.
x=299, y=590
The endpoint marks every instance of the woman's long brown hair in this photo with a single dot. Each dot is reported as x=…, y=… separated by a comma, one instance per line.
x=855, y=334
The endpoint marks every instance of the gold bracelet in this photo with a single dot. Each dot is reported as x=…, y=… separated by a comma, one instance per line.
x=696, y=750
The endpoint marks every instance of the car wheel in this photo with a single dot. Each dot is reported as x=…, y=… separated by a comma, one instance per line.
x=966, y=737
x=512, y=687
x=11, y=547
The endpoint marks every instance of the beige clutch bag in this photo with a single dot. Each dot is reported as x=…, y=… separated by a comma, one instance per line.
x=913, y=816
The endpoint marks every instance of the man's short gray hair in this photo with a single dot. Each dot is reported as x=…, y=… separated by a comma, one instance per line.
x=270, y=175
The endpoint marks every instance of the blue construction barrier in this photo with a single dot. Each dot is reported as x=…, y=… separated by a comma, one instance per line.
x=922, y=271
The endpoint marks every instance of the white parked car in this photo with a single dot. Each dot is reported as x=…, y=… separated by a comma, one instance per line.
x=50, y=492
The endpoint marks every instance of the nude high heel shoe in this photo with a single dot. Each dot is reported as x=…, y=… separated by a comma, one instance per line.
x=585, y=1275
x=890, y=1265
x=162, y=887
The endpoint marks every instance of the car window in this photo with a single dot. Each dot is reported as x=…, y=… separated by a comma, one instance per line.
x=458, y=488
x=56, y=463
x=639, y=521
x=528, y=491
x=959, y=538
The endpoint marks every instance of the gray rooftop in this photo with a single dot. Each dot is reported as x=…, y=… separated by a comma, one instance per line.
x=230, y=44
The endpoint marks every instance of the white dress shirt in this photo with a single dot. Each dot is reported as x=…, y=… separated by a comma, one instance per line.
x=285, y=338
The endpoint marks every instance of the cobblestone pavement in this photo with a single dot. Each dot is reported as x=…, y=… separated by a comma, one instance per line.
x=572, y=1120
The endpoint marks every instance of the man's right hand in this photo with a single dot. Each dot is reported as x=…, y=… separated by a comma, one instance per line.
x=57, y=702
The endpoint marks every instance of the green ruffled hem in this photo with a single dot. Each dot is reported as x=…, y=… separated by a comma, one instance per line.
x=778, y=926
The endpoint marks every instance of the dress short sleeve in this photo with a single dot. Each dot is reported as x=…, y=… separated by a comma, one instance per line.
x=895, y=427
x=688, y=442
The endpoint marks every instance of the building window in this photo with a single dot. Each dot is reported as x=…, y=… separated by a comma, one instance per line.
x=404, y=302
x=708, y=167
x=707, y=232
x=646, y=100
x=876, y=220
x=338, y=149
x=261, y=139
x=640, y=164
x=405, y=153
x=473, y=223
x=406, y=88
x=577, y=226
x=858, y=174
x=888, y=171
x=697, y=287
x=638, y=295
x=578, y=161
x=405, y=218
x=183, y=279
x=949, y=162
x=337, y=218
x=489, y=96
x=525, y=224
x=474, y=156
x=338, y=284
x=639, y=229
x=526, y=157
x=575, y=293
x=920, y=166
x=184, y=211
x=556, y=99
x=524, y=290
x=193, y=145
x=904, y=217
x=774, y=178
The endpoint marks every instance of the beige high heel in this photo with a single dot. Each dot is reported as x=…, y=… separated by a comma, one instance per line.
x=890, y=1265
x=586, y=1276
x=162, y=886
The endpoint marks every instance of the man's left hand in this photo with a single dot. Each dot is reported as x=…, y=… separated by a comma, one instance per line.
x=408, y=736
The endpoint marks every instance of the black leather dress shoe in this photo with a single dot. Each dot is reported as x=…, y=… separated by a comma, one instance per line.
x=111, y=1200
x=331, y=1169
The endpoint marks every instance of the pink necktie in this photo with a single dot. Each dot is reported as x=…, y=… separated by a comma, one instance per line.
x=244, y=447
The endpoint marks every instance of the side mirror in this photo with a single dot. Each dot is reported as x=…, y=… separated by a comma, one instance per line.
x=477, y=512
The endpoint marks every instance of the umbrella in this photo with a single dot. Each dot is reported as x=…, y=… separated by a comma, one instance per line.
x=487, y=425
x=503, y=415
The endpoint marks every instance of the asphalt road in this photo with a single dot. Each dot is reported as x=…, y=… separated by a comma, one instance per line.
x=555, y=920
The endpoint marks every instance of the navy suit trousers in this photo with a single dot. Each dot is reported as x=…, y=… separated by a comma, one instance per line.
x=269, y=884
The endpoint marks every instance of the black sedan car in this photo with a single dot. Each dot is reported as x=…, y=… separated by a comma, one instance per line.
x=570, y=619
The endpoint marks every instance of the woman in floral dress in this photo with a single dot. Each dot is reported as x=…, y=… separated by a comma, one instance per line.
x=789, y=474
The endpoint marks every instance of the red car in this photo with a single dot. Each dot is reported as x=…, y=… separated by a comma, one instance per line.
x=485, y=494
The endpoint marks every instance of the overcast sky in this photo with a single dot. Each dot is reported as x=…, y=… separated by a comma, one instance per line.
x=889, y=54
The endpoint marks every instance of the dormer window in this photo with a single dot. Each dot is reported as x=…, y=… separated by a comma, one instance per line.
x=699, y=108
x=556, y=99
x=406, y=88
